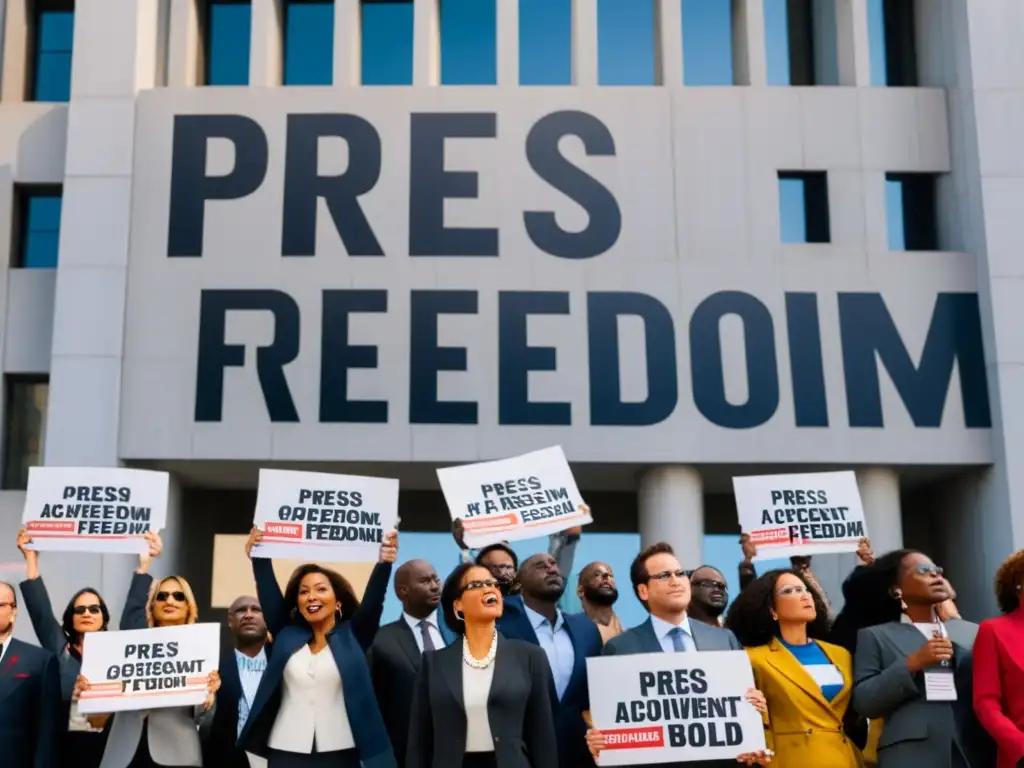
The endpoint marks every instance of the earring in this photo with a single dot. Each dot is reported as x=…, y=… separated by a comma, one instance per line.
x=897, y=594
x=459, y=615
x=775, y=616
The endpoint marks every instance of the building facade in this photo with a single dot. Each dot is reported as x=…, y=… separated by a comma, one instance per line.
x=774, y=237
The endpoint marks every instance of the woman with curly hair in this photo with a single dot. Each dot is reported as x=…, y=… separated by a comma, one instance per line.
x=782, y=622
x=999, y=667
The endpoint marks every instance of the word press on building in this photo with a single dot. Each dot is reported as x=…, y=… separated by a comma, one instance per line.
x=383, y=280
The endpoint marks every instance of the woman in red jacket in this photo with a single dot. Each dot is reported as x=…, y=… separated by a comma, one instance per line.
x=999, y=667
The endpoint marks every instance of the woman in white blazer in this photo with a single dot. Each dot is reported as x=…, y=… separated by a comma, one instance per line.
x=167, y=738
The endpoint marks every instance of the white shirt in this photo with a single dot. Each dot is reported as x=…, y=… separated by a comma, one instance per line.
x=476, y=690
x=6, y=642
x=312, y=706
x=662, y=629
x=432, y=629
x=557, y=645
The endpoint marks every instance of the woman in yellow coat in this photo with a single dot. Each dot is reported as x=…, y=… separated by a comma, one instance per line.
x=808, y=683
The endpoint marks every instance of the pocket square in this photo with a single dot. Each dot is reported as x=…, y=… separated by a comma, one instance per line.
x=21, y=675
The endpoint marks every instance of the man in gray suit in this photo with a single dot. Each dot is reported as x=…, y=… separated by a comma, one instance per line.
x=661, y=584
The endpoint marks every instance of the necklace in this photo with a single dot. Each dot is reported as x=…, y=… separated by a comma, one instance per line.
x=486, y=661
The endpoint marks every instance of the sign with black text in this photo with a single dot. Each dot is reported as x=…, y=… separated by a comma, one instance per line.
x=673, y=707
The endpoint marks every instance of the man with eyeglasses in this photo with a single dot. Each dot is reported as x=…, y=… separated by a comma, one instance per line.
x=710, y=595
x=30, y=701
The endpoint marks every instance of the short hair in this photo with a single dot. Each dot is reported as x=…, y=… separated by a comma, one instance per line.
x=14, y=592
x=689, y=573
x=1008, y=581
x=638, y=568
x=750, y=615
x=343, y=592
x=192, y=607
x=452, y=591
x=498, y=547
x=68, y=619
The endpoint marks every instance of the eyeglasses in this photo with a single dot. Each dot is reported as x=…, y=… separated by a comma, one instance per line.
x=81, y=610
x=483, y=584
x=712, y=584
x=162, y=596
x=666, y=575
x=795, y=590
x=928, y=569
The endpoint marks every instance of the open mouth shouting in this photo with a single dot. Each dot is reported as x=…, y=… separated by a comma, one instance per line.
x=491, y=599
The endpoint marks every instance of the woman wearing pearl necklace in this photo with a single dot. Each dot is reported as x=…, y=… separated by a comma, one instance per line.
x=484, y=702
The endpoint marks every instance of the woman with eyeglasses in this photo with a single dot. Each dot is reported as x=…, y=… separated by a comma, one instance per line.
x=915, y=673
x=315, y=706
x=161, y=737
x=85, y=738
x=782, y=622
x=484, y=702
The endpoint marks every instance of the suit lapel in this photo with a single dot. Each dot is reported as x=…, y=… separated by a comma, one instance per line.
x=10, y=667
x=906, y=637
x=503, y=671
x=791, y=669
x=648, y=637
x=579, y=659
x=407, y=642
x=450, y=661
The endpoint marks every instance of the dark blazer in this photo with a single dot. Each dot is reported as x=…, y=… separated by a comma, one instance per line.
x=916, y=731
x=348, y=643
x=30, y=706
x=518, y=710
x=219, y=741
x=642, y=639
x=394, y=660
x=570, y=727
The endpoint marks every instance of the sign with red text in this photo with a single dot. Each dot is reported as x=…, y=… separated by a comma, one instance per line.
x=806, y=514
x=673, y=707
x=324, y=517
x=94, y=509
x=523, y=497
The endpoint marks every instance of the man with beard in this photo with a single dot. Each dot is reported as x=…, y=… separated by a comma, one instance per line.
x=567, y=641
x=709, y=595
x=394, y=657
x=241, y=669
x=597, y=591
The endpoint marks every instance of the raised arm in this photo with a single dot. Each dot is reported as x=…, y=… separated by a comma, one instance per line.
x=539, y=723
x=562, y=547
x=134, y=614
x=420, y=751
x=37, y=600
x=366, y=620
x=989, y=694
x=878, y=689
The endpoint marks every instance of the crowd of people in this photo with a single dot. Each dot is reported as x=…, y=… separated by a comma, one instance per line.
x=488, y=670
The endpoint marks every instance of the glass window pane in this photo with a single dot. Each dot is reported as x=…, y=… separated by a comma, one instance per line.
x=545, y=42
x=24, y=432
x=625, y=42
x=876, y=43
x=469, y=42
x=41, y=249
x=793, y=210
x=776, y=34
x=894, y=215
x=228, y=42
x=56, y=31
x=53, y=77
x=43, y=212
x=387, y=43
x=707, y=42
x=309, y=43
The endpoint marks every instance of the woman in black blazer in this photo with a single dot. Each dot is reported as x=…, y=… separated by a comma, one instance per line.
x=484, y=702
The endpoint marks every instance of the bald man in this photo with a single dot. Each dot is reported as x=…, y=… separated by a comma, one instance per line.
x=395, y=654
x=598, y=594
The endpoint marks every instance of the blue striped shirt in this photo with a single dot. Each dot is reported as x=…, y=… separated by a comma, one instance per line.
x=250, y=672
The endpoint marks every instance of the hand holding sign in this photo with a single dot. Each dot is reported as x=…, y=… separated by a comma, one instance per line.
x=155, y=546
x=389, y=549
x=255, y=537
x=212, y=685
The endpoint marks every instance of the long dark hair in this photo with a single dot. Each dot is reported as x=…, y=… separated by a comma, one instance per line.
x=868, y=598
x=68, y=620
x=343, y=593
x=750, y=615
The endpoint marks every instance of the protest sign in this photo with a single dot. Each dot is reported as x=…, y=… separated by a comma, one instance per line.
x=673, y=707
x=148, y=668
x=808, y=514
x=93, y=509
x=511, y=499
x=318, y=516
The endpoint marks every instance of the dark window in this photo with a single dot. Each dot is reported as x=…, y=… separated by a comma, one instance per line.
x=309, y=42
x=387, y=42
x=52, y=32
x=24, y=429
x=803, y=207
x=545, y=42
x=707, y=42
x=227, y=37
x=800, y=43
x=625, y=42
x=469, y=42
x=891, y=35
x=911, y=212
x=37, y=230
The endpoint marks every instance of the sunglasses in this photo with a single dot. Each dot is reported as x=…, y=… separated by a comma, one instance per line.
x=81, y=610
x=493, y=583
x=666, y=575
x=928, y=569
x=162, y=596
x=711, y=584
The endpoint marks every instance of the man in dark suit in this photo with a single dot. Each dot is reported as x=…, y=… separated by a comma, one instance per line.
x=30, y=701
x=567, y=641
x=662, y=586
x=241, y=669
x=394, y=657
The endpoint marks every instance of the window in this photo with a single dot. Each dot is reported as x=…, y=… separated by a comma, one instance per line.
x=625, y=42
x=24, y=429
x=545, y=42
x=469, y=42
x=387, y=42
x=893, y=50
x=52, y=35
x=707, y=42
x=910, y=206
x=309, y=42
x=227, y=37
x=800, y=42
x=803, y=207
x=38, y=227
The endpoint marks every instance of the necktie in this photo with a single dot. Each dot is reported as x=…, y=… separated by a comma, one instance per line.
x=428, y=643
x=677, y=639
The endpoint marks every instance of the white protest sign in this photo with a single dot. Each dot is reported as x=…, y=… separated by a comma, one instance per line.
x=673, y=707
x=319, y=516
x=808, y=514
x=511, y=499
x=93, y=509
x=148, y=668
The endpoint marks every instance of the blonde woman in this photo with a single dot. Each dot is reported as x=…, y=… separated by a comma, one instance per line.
x=162, y=737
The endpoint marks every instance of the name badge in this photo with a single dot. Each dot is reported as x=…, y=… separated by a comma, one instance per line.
x=939, y=685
